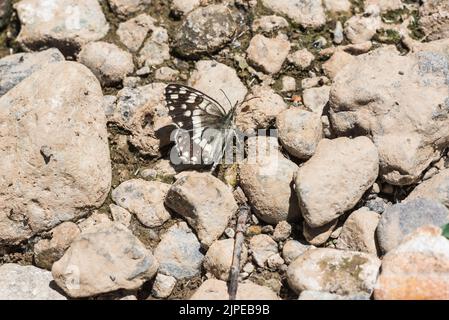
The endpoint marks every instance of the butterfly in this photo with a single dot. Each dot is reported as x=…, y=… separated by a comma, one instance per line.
x=204, y=127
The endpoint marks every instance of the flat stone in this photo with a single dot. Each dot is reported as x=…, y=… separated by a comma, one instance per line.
x=205, y=202
x=334, y=271
x=354, y=169
x=262, y=248
x=26, y=283
x=145, y=199
x=178, y=252
x=102, y=259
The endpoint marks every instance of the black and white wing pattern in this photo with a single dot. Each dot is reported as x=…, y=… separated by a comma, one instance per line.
x=201, y=123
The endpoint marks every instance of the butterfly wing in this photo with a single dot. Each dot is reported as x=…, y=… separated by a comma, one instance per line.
x=200, y=120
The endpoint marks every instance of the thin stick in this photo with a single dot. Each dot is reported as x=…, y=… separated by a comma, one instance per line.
x=238, y=244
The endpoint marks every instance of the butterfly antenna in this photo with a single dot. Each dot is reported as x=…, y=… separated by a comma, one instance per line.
x=230, y=103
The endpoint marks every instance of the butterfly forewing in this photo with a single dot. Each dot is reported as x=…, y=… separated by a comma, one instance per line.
x=201, y=123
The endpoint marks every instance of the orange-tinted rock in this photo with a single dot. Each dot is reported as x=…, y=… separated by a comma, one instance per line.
x=417, y=269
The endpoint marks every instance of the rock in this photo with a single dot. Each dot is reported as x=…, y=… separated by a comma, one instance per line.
x=268, y=54
x=434, y=189
x=301, y=58
x=267, y=182
x=403, y=218
x=308, y=13
x=120, y=214
x=64, y=24
x=102, y=259
x=319, y=235
x=386, y=5
x=163, y=286
x=334, y=271
x=355, y=166
x=47, y=251
x=205, y=202
x=261, y=111
x=282, y=231
x=26, y=283
x=205, y=30
x=145, y=199
x=5, y=12
x=316, y=99
x=210, y=76
x=155, y=49
x=166, y=74
x=179, y=252
x=49, y=133
x=213, y=289
x=126, y=8
x=16, y=67
x=413, y=89
x=269, y=23
x=359, y=232
x=293, y=249
x=416, y=269
x=337, y=6
x=218, y=258
x=275, y=261
x=318, y=295
x=337, y=62
x=93, y=221
x=434, y=19
x=288, y=84
x=135, y=108
x=299, y=131
x=262, y=247
x=107, y=61
x=132, y=33
x=184, y=6
x=361, y=28
x=338, y=33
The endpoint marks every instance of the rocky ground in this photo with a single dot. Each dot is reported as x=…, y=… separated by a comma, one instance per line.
x=91, y=207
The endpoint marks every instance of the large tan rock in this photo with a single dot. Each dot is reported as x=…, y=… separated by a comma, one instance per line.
x=102, y=259
x=340, y=171
x=401, y=101
x=334, y=271
x=54, y=154
x=267, y=182
x=205, y=202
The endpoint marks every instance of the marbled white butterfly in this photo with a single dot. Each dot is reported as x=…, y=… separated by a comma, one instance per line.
x=204, y=127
